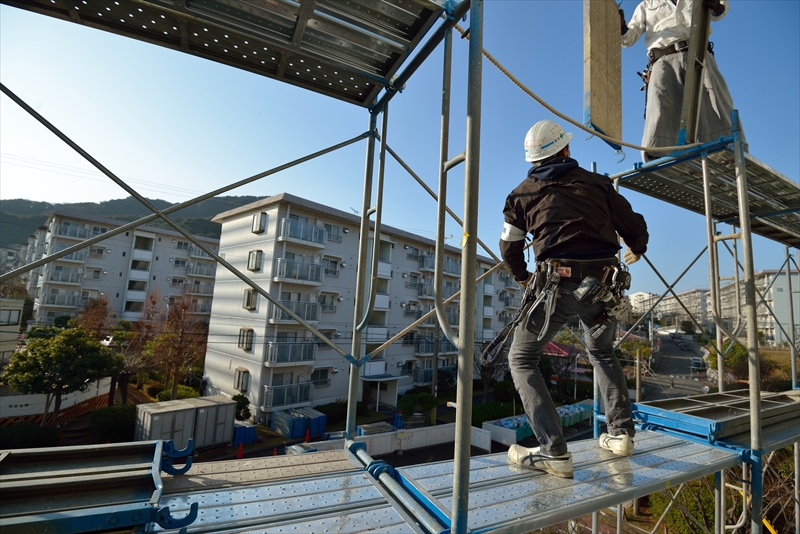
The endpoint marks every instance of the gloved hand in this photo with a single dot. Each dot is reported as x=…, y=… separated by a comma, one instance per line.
x=713, y=5
x=623, y=24
x=630, y=256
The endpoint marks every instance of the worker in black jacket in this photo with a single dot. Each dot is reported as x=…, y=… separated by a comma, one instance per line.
x=574, y=217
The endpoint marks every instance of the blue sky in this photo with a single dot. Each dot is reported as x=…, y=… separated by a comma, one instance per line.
x=175, y=126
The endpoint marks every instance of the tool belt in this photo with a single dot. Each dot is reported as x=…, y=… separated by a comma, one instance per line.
x=577, y=270
x=680, y=46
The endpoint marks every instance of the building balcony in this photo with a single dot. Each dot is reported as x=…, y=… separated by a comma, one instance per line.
x=291, y=396
x=449, y=291
x=282, y=354
x=425, y=291
x=513, y=303
x=488, y=311
x=488, y=289
x=78, y=255
x=376, y=334
x=141, y=254
x=200, y=289
x=202, y=270
x=384, y=269
x=427, y=262
x=297, y=271
x=451, y=267
x=301, y=233
x=425, y=347
x=72, y=232
x=61, y=300
x=381, y=301
x=307, y=311
x=65, y=277
x=201, y=307
x=197, y=252
x=136, y=274
x=424, y=377
x=488, y=334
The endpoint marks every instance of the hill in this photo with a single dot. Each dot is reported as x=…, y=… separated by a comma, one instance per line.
x=19, y=218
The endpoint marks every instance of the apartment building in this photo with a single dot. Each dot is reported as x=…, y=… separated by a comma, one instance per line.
x=773, y=287
x=695, y=301
x=10, y=257
x=305, y=254
x=122, y=269
x=642, y=301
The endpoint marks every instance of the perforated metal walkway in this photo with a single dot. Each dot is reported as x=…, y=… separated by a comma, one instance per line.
x=774, y=199
x=503, y=497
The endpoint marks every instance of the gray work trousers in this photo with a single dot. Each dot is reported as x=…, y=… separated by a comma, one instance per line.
x=524, y=356
x=665, y=99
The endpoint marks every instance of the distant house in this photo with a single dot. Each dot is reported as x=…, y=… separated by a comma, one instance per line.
x=10, y=316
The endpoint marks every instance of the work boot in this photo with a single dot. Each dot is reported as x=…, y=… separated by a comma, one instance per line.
x=560, y=466
x=622, y=444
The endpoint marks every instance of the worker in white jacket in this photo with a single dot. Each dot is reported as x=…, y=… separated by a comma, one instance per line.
x=666, y=25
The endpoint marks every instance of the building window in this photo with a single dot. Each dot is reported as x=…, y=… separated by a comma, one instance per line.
x=134, y=306
x=96, y=252
x=89, y=295
x=259, y=223
x=241, y=379
x=320, y=378
x=327, y=303
x=143, y=243
x=407, y=367
x=408, y=339
x=333, y=233
x=9, y=316
x=246, y=339
x=93, y=274
x=413, y=253
x=180, y=263
x=177, y=281
x=183, y=245
x=330, y=334
x=250, y=299
x=254, y=259
x=331, y=266
x=98, y=230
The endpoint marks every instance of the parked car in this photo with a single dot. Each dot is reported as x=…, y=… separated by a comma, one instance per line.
x=698, y=365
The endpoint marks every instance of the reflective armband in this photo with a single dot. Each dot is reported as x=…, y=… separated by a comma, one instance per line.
x=512, y=233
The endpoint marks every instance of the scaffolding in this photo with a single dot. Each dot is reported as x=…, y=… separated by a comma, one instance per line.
x=363, y=53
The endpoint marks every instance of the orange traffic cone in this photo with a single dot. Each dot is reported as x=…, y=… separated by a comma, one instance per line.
x=240, y=454
x=275, y=451
x=308, y=435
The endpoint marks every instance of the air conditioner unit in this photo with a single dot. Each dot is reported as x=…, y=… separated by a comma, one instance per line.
x=337, y=334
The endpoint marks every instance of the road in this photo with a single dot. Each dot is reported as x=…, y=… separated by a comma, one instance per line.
x=672, y=376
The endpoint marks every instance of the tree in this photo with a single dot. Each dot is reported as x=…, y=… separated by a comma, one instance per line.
x=94, y=317
x=688, y=327
x=54, y=366
x=14, y=289
x=242, y=407
x=181, y=345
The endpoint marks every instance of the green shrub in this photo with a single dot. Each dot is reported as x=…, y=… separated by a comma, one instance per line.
x=28, y=435
x=184, y=392
x=426, y=402
x=114, y=424
x=153, y=388
x=504, y=391
x=407, y=404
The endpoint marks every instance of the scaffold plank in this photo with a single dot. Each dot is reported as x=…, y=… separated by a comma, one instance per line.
x=346, y=50
x=774, y=199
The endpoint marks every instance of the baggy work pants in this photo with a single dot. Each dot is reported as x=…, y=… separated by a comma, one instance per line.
x=524, y=356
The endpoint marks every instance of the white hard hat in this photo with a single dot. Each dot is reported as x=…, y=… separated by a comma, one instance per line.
x=545, y=139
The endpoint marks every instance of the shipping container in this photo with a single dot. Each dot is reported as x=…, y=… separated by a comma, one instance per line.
x=166, y=420
x=213, y=421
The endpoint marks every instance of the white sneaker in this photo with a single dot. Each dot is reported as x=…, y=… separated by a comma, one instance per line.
x=560, y=466
x=622, y=444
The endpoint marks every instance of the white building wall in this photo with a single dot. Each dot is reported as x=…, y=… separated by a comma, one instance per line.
x=400, y=273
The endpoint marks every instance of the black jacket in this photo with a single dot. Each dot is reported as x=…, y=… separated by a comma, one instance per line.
x=571, y=213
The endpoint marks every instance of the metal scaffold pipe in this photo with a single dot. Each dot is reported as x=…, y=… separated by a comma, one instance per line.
x=468, y=267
